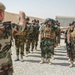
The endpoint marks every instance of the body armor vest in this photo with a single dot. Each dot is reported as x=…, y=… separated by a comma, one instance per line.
x=73, y=33
x=48, y=33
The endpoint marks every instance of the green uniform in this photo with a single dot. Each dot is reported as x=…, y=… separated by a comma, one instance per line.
x=57, y=39
x=19, y=41
x=72, y=44
x=29, y=37
x=6, y=67
x=36, y=34
x=48, y=40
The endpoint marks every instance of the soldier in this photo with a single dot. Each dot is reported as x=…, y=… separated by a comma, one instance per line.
x=6, y=67
x=47, y=40
x=29, y=36
x=58, y=33
x=67, y=45
x=71, y=43
x=36, y=33
x=19, y=36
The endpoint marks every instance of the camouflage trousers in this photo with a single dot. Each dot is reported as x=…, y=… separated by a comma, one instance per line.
x=19, y=43
x=6, y=68
x=71, y=49
x=36, y=41
x=57, y=41
x=47, y=48
x=28, y=43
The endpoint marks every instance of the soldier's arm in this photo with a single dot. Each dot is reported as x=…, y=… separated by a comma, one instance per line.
x=68, y=36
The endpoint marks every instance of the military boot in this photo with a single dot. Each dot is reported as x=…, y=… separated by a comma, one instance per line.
x=49, y=61
x=26, y=53
x=17, y=58
x=42, y=61
x=22, y=58
x=36, y=48
x=53, y=57
x=71, y=64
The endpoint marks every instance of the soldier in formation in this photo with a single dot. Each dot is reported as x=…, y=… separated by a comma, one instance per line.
x=47, y=40
x=71, y=43
x=19, y=36
x=29, y=36
x=36, y=33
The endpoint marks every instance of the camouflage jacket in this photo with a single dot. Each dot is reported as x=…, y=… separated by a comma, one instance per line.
x=5, y=43
x=29, y=31
x=36, y=30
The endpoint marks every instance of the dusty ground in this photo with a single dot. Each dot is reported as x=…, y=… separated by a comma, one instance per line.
x=31, y=66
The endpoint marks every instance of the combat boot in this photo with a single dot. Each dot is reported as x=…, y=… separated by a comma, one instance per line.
x=36, y=48
x=71, y=64
x=17, y=58
x=49, y=61
x=42, y=61
x=26, y=53
x=53, y=57
x=22, y=58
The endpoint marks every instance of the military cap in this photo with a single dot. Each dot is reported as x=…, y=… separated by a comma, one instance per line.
x=2, y=6
x=34, y=20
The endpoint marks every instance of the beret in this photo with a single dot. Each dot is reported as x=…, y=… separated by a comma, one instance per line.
x=2, y=6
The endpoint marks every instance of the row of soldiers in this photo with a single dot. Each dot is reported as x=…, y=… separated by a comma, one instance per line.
x=28, y=38
x=70, y=42
x=30, y=34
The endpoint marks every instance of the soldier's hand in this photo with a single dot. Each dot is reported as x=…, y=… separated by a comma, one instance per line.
x=26, y=40
x=68, y=41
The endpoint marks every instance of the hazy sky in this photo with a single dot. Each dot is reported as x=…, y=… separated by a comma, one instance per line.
x=41, y=8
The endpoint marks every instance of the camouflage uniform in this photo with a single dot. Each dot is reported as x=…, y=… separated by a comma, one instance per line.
x=6, y=67
x=48, y=40
x=71, y=45
x=67, y=46
x=29, y=37
x=58, y=35
x=19, y=42
x=36, y=34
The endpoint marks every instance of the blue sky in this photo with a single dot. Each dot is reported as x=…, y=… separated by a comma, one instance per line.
x=41, y=8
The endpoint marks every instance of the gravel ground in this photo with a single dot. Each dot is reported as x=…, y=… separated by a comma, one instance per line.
x=31, y=66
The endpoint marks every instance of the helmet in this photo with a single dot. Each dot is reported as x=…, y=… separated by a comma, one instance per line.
x=48, y=20
x=56, y=20
x=27, y=18
x=37, y=21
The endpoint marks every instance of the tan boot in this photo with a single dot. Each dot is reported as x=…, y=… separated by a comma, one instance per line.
x=17, y=59
x=71, y=64
x=53, y=57
x=42, y=61
x=22, y=58
x=49, y=61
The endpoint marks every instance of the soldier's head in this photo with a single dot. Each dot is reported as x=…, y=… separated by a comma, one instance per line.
x=70, y=24
x=27, y=19
x=49, y=21
x=73, y=23
x=37, y=22
x=56, y=22
x=2, y=9
x=34, y=21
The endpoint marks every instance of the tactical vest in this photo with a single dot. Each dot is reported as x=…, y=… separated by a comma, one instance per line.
x=73, y=33
x=48, y=33
x=20, y=30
